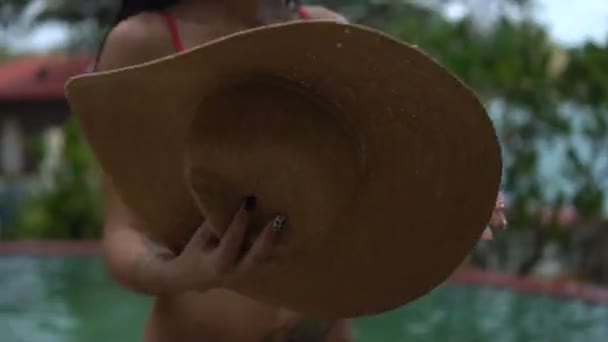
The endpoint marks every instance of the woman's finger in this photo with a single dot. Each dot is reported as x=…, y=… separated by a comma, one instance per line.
x=234, y=236
x=264, y=245
x=199, y=238
x=208, y=236
x=487, y=234
x=498, y=219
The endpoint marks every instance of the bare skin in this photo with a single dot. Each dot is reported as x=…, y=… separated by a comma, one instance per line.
x=191, y=302
x=498, y=220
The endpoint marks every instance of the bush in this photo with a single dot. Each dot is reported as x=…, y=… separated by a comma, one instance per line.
x=69, y=206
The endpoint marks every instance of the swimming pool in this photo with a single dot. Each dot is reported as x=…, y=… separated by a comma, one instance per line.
x=70, y=299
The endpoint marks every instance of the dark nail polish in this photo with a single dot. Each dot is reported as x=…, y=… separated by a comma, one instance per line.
x=279, y=223
x=250, y=203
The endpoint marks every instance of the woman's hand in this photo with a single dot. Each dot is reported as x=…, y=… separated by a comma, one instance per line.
x=498, y=219
x=209, y=260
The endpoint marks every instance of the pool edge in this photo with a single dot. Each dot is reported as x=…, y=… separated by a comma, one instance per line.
x=51, y=248
x=464, y=275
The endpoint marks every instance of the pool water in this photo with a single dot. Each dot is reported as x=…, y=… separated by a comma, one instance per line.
x=71, y=299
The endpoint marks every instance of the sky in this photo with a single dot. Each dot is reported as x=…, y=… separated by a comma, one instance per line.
x=569, y=22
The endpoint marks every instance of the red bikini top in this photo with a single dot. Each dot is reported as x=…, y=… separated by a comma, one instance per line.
x=176, y=39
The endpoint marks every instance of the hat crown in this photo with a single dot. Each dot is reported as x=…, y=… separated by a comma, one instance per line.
x=295, y=152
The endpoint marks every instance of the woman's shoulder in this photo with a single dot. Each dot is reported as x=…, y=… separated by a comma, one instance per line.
x=323, y=13
x=136, y=40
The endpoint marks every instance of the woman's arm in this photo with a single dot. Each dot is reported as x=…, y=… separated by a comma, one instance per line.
x=342, y=332
x=213, y=257
x=132, y=259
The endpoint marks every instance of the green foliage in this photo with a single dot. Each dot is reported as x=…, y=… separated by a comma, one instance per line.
x=70, y=207
x=549, y=102
x=4, y=53
x=546, y=100
x=68, y=11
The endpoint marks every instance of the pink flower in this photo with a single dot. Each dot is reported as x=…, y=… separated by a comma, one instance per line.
x=565, y=216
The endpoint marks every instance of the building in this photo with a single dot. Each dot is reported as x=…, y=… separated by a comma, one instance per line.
x=32, y=101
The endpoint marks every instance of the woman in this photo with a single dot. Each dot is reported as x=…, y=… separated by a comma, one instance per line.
x=190, y=304
x=498, y=219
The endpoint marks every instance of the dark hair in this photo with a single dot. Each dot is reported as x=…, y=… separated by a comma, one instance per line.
x=129, y=8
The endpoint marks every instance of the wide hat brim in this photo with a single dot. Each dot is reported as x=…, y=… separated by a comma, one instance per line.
x=386, y=194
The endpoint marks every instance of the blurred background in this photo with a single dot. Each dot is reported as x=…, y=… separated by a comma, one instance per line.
x=541, y=67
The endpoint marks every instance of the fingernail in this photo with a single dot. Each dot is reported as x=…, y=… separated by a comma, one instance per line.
x=279, y=223
x=250, y=203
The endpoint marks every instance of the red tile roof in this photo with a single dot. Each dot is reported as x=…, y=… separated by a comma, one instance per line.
x=39, y=78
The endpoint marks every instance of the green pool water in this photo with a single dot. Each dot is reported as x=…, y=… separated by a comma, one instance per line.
x=70, y=299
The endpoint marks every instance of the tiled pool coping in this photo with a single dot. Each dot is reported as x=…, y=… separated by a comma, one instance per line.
x=49, y=248
x=568, y=289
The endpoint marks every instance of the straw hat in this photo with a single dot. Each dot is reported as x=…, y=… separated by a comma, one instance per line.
x=387, y=166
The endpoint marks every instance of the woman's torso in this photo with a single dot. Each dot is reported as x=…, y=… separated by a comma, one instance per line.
x=217, y=315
